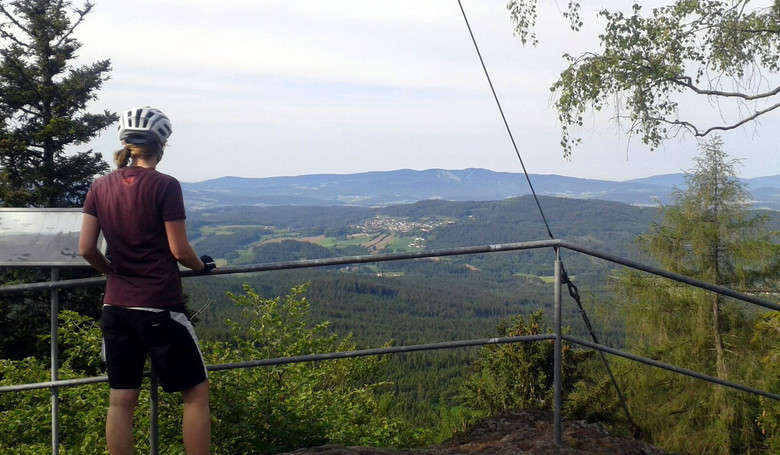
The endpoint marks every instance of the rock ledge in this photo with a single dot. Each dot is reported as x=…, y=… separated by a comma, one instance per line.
x=513, y=433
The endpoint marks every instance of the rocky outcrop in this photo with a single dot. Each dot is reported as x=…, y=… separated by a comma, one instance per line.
x=513, y=433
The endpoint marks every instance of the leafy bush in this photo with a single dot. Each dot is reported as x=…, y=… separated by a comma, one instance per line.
x=304, y=404
x=256, y=410
x=25, y=417
x=520, y=375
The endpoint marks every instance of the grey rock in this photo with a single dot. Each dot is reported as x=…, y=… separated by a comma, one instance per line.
x=513, y=433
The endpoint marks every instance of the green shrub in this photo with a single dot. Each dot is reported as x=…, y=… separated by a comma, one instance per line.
x=255, y=410
x=520, y=375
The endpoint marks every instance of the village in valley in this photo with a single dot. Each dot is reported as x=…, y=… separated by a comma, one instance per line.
x=383, y=229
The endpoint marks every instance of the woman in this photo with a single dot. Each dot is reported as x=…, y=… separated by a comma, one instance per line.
x=141, y=214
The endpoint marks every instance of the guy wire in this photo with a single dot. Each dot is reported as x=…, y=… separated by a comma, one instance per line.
x=571, y=287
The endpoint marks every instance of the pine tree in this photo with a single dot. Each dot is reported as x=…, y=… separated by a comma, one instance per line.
x=707, y=234
x=43, y=99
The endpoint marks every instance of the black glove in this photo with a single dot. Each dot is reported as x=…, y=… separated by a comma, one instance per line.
x=208, y=264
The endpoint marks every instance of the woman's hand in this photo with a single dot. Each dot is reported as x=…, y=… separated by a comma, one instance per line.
x=208, y=264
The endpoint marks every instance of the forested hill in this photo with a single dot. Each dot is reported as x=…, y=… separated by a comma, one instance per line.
x=245, y=234
x=440, y=223
x=406, y=185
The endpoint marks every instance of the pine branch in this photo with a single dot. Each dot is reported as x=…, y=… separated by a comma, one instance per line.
x=12, y=37
x=30, y=112
x=14, y=21
x=21, y=70
x=82, y=13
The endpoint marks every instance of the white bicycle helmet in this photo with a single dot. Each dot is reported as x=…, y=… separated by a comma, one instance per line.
x=139, y=122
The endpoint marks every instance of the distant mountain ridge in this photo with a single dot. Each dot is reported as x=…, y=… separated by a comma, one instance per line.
x=383, y=188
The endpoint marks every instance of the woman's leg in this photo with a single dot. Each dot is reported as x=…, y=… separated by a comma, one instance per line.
x=119, y=421
x=196, y=422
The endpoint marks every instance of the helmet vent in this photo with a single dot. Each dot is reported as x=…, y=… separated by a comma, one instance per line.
x=147, y=117
x=137, y=118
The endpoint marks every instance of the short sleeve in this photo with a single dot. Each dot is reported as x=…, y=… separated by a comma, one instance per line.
x=173, y=202
x=90, y=206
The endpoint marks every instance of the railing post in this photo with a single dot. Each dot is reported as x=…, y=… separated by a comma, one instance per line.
x=55, y=405
x=153, y=413
x=557, y=355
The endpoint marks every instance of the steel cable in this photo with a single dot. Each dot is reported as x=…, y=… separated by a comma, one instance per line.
x=571, y=287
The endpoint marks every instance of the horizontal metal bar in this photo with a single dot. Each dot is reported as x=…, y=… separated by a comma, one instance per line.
x=673, y=276
x=414, y=348
x=41, y=265
x=389, y=257
x=49, y=384
x=380, y=351
x=302, y=358
x=40, y=209
x=307, y=263
x=46, y=286
x=672, y=368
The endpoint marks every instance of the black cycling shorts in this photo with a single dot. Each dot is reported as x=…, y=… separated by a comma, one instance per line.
x=129, y=334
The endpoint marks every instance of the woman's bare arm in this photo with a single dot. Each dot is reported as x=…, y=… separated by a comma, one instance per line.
x=90, y=229
x=180, y=246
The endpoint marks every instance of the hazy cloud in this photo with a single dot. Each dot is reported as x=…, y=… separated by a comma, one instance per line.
x=260, y=88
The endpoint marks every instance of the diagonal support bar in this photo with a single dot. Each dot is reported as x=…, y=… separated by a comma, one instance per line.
x=671, y=275
x=672, y=368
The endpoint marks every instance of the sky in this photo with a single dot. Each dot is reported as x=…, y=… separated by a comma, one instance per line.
x=261, y=88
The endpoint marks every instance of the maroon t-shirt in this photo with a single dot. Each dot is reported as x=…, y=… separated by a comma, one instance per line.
x=132, y=205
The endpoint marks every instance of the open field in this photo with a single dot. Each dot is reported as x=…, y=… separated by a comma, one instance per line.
x=373, y=242
x=230, y=229
x=545, y=278
x=333, y=242
x=316, y=239
x=380, y=242
x=402, y=244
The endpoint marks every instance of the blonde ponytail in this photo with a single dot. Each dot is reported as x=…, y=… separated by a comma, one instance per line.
x=123, y=155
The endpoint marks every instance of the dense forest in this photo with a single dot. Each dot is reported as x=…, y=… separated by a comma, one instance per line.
x=409, y=302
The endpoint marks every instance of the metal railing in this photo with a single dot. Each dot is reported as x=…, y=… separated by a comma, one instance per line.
x=55, y=285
